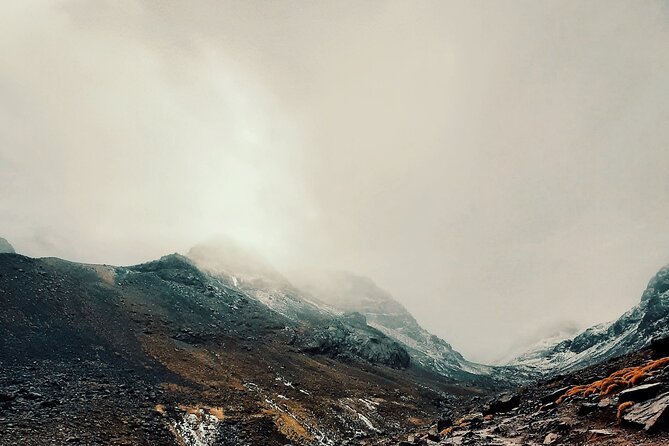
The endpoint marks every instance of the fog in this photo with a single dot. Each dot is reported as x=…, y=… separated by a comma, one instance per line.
x=500, y=167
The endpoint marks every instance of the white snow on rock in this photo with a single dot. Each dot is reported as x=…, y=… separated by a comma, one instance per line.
x=196, y=429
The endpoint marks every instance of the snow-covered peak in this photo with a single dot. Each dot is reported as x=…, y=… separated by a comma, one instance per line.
x=631, y=331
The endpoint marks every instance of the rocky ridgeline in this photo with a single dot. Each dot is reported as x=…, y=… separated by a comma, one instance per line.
x=165, y=354
x=624, y=401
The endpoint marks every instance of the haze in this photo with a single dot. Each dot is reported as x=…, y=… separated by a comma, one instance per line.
x=500, y=167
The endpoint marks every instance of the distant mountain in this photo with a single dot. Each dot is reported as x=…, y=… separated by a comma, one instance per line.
x=632, y=331
x=6, y=247
x=333, y=299
x=348, y=292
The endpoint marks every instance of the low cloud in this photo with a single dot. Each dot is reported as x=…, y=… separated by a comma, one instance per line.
x=497, y=166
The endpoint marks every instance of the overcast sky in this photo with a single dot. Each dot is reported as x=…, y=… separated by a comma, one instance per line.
x=501, y=167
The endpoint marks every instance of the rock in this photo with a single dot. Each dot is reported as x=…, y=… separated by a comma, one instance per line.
x=30, y=395
x=586, y=408
x=554, y=395
x=50, y=403
x=503, y=403
x=548, y=406
x=640, y=393
x=551, y=438
x=649, y=415
x=444, y=423
x=472, y=419
x=595, y=434
x=660, y=347
x=606, y=402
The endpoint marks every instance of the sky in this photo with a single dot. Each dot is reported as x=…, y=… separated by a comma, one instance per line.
x=500, y=167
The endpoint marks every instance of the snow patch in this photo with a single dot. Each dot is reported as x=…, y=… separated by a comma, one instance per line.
x=196, y=429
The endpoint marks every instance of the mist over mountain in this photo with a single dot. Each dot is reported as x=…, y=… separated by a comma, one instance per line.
x=492, y=166
x=211, y=349
x=344, y=223
x=6, y=247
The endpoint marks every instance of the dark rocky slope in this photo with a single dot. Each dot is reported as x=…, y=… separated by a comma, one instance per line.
x=623, y=401
x=164, y=353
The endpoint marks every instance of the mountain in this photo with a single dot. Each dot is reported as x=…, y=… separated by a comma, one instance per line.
x=347, y=292
x=5, y=247
x=221, y=349
x=340, y=298
x=166, y=353
x=632, y=331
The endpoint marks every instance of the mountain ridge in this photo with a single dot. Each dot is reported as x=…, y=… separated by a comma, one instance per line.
x=631, y=331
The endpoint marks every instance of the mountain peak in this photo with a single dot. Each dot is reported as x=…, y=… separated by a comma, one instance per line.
x=6, y=247
x=658, y=285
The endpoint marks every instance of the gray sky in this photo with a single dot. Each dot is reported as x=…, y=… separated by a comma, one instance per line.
x=500, y=167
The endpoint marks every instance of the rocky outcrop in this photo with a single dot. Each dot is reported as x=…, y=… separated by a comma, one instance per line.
x=347, y=292
x=349, y=338
x=531, y=416
x=640, y=393
x=503, y=403
x=650, y=415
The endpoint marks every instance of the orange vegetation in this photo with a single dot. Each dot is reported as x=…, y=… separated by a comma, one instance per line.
x=289, y=426
x=461, y=422
x=620, y=380
x=418, y=421
x=217, y=412
x=160, y=409
x=623, y=407
x=446, y=431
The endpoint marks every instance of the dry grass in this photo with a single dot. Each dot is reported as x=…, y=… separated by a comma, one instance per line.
x=176, y=388
x=217, y=412
x=200, y=410
x=461, y=422
x=289, y=426
x=617, y=381
x=446, y=431
x=192, y=410
x=622, y=408
x=418, y=421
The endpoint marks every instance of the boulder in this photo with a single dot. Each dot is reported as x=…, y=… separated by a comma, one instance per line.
x=640, y=393
x=554, y=395
x=444, y=423
x=660, y=346
x=650, y=415
x=595, y=435
x=606, y=402
x=551, y=438
x=503, y=403
x=586, y=407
